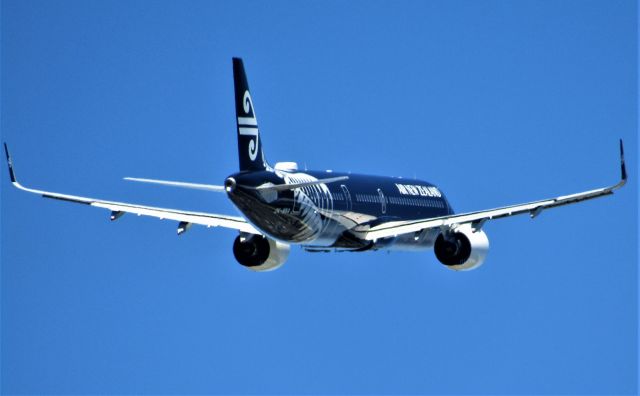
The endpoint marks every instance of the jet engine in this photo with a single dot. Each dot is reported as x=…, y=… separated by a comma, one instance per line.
x=462, y=249
x=259, y=253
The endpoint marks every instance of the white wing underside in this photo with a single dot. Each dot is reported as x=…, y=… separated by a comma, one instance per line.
x=477, y=219
x=119, y=208
x=205, y=219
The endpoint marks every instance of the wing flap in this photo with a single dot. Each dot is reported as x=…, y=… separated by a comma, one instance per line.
x=205, y=219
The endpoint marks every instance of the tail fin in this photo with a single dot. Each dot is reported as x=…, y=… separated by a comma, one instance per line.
x=249, y=143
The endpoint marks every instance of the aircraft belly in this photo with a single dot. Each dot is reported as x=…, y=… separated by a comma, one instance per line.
x=422, y=241
x=276, y=221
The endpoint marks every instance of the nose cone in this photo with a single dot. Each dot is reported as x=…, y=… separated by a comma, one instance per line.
x=230, y=185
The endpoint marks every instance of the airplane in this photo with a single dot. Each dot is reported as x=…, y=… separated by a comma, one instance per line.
x=326, y=211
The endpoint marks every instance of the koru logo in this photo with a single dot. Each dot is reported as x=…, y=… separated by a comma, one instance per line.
x=248, y=126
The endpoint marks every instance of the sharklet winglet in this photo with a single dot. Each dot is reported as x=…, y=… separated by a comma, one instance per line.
x=12, y=174
x=623, y=167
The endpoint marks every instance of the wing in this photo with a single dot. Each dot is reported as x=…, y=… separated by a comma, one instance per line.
x=477, y=219
x=117, y=209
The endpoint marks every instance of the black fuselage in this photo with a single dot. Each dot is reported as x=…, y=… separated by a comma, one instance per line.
x=331, y=215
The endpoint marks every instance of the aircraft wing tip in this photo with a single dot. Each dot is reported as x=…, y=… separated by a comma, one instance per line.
x=12, y=174
x=623, y=167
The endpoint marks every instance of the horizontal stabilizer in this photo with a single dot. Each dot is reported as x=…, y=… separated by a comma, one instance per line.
x=284, y=187
x=195, y=186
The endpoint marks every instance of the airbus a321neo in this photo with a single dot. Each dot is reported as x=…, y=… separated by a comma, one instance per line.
x=324, y=211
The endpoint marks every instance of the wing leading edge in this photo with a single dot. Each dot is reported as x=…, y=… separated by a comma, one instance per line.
x=477, y=219
x=186, y=218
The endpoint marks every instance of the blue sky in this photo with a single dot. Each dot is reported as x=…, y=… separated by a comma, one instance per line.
x=496, y=102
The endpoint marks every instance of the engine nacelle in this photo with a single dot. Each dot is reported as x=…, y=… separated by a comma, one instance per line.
x=462, y=249
x=259, y=253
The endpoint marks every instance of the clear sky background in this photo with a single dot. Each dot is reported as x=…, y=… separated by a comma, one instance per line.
x=496, y=102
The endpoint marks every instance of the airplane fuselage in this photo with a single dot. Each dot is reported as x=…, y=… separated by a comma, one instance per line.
x=321, y=216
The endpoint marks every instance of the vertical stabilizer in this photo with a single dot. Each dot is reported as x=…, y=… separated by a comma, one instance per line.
x=249, y=142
